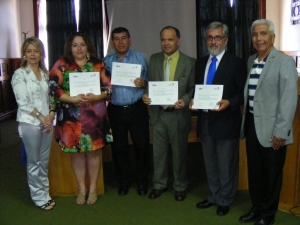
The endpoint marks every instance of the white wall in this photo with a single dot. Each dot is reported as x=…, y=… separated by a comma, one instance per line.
x=287, y=35
x=290, y=34
x=145, y=18
x=26, y=18
x=16, y=16
x=9, y=29
x=273, y=14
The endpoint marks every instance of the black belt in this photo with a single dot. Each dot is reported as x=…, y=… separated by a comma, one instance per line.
x=169, y=109
x=128, y=106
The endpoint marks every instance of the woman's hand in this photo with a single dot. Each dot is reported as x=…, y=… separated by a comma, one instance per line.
x=68, y=99
x=48, y=122
x=77, y=99
x=89, y=98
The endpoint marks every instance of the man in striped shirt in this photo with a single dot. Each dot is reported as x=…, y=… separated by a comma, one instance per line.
x=270, y=104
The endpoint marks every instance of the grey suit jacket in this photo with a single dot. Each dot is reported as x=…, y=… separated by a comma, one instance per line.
x=185, y=75
x=275, y=99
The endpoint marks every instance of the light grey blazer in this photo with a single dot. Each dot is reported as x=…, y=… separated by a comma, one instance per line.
x=275, y=99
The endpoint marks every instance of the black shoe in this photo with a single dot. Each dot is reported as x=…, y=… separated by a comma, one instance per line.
x=249, y=217
x=222, y=210
x=265, y=221
x=123, y=190
x=204, y=204
x=142, y=190
x=180, y=195
x=155, y=193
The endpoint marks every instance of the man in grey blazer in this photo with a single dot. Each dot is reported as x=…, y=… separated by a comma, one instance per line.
x=171, y=124
x=270, y=97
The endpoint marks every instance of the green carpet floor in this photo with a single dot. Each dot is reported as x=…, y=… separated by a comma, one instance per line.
x=16, y=207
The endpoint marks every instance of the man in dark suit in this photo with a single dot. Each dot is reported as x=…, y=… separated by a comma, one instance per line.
x=171, y=124
x=219, y=128
x=271, y=99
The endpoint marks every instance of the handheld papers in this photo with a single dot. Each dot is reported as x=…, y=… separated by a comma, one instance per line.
x=206, y=96
x=125, y=73
x=163, y=92
x=83, y=83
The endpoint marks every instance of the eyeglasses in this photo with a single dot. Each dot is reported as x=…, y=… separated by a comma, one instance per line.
x=217, y=38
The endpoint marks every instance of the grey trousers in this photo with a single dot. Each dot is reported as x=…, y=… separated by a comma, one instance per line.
x=37, y=144
x=221, y=159
x=168, y=130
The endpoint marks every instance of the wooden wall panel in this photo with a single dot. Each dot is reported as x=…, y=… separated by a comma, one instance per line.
x=290, y=193
x=8, y=104
x=61, y=177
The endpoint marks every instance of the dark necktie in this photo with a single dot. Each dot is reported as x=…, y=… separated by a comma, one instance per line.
x=211, y=71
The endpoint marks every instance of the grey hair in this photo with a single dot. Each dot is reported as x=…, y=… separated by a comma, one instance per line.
x=264, y=21
x=216, y=25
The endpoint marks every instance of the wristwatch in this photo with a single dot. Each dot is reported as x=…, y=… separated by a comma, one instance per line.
x=37, y=114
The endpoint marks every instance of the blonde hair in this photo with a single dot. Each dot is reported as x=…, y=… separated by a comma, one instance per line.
x=40, y=46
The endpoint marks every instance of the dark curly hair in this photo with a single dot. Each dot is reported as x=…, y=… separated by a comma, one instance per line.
x=68, y=56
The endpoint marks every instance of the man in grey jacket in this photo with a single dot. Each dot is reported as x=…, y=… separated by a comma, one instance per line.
x=270, y=97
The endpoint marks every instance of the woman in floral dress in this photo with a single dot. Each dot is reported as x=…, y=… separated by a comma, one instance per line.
x=82, y=121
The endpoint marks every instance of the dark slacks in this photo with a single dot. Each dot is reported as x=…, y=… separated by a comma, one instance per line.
x=265, y=172
x=134, y=119
x=221, y=158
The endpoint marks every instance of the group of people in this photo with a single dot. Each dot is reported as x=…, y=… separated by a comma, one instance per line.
x=258, y=102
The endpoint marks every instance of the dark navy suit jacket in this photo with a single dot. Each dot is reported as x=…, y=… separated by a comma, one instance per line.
x=232, y=73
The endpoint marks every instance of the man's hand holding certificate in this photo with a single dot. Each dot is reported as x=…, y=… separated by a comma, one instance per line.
x=124, y=74
x=83, y=83
x=207, y=96
x=163, y=92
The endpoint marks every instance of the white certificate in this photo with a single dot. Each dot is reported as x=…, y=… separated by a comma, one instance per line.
x=125, y=73
x=163, y=92
x=83, y=83
x=206, y=96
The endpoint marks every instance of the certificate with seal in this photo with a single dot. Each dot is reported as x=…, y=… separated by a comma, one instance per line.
x=163, y=92
x=206, y=96
x=125, y=73
x=83, y=83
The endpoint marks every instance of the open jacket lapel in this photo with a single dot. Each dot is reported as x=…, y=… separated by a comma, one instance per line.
x=267, y=66
x=180, y=68
x=160, y=66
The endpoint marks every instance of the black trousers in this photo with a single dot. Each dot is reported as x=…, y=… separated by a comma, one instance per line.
x=134, y=119
x=265, y=172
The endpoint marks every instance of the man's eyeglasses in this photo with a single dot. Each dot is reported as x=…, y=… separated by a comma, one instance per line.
x=217, y=38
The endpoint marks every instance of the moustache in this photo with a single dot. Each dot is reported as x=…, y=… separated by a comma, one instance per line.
x=213, y=45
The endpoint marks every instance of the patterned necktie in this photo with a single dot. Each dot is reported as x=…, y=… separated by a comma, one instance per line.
x=167, y=69
x=211, y=71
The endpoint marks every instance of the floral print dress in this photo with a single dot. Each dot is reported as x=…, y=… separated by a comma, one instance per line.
x=79, y=127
